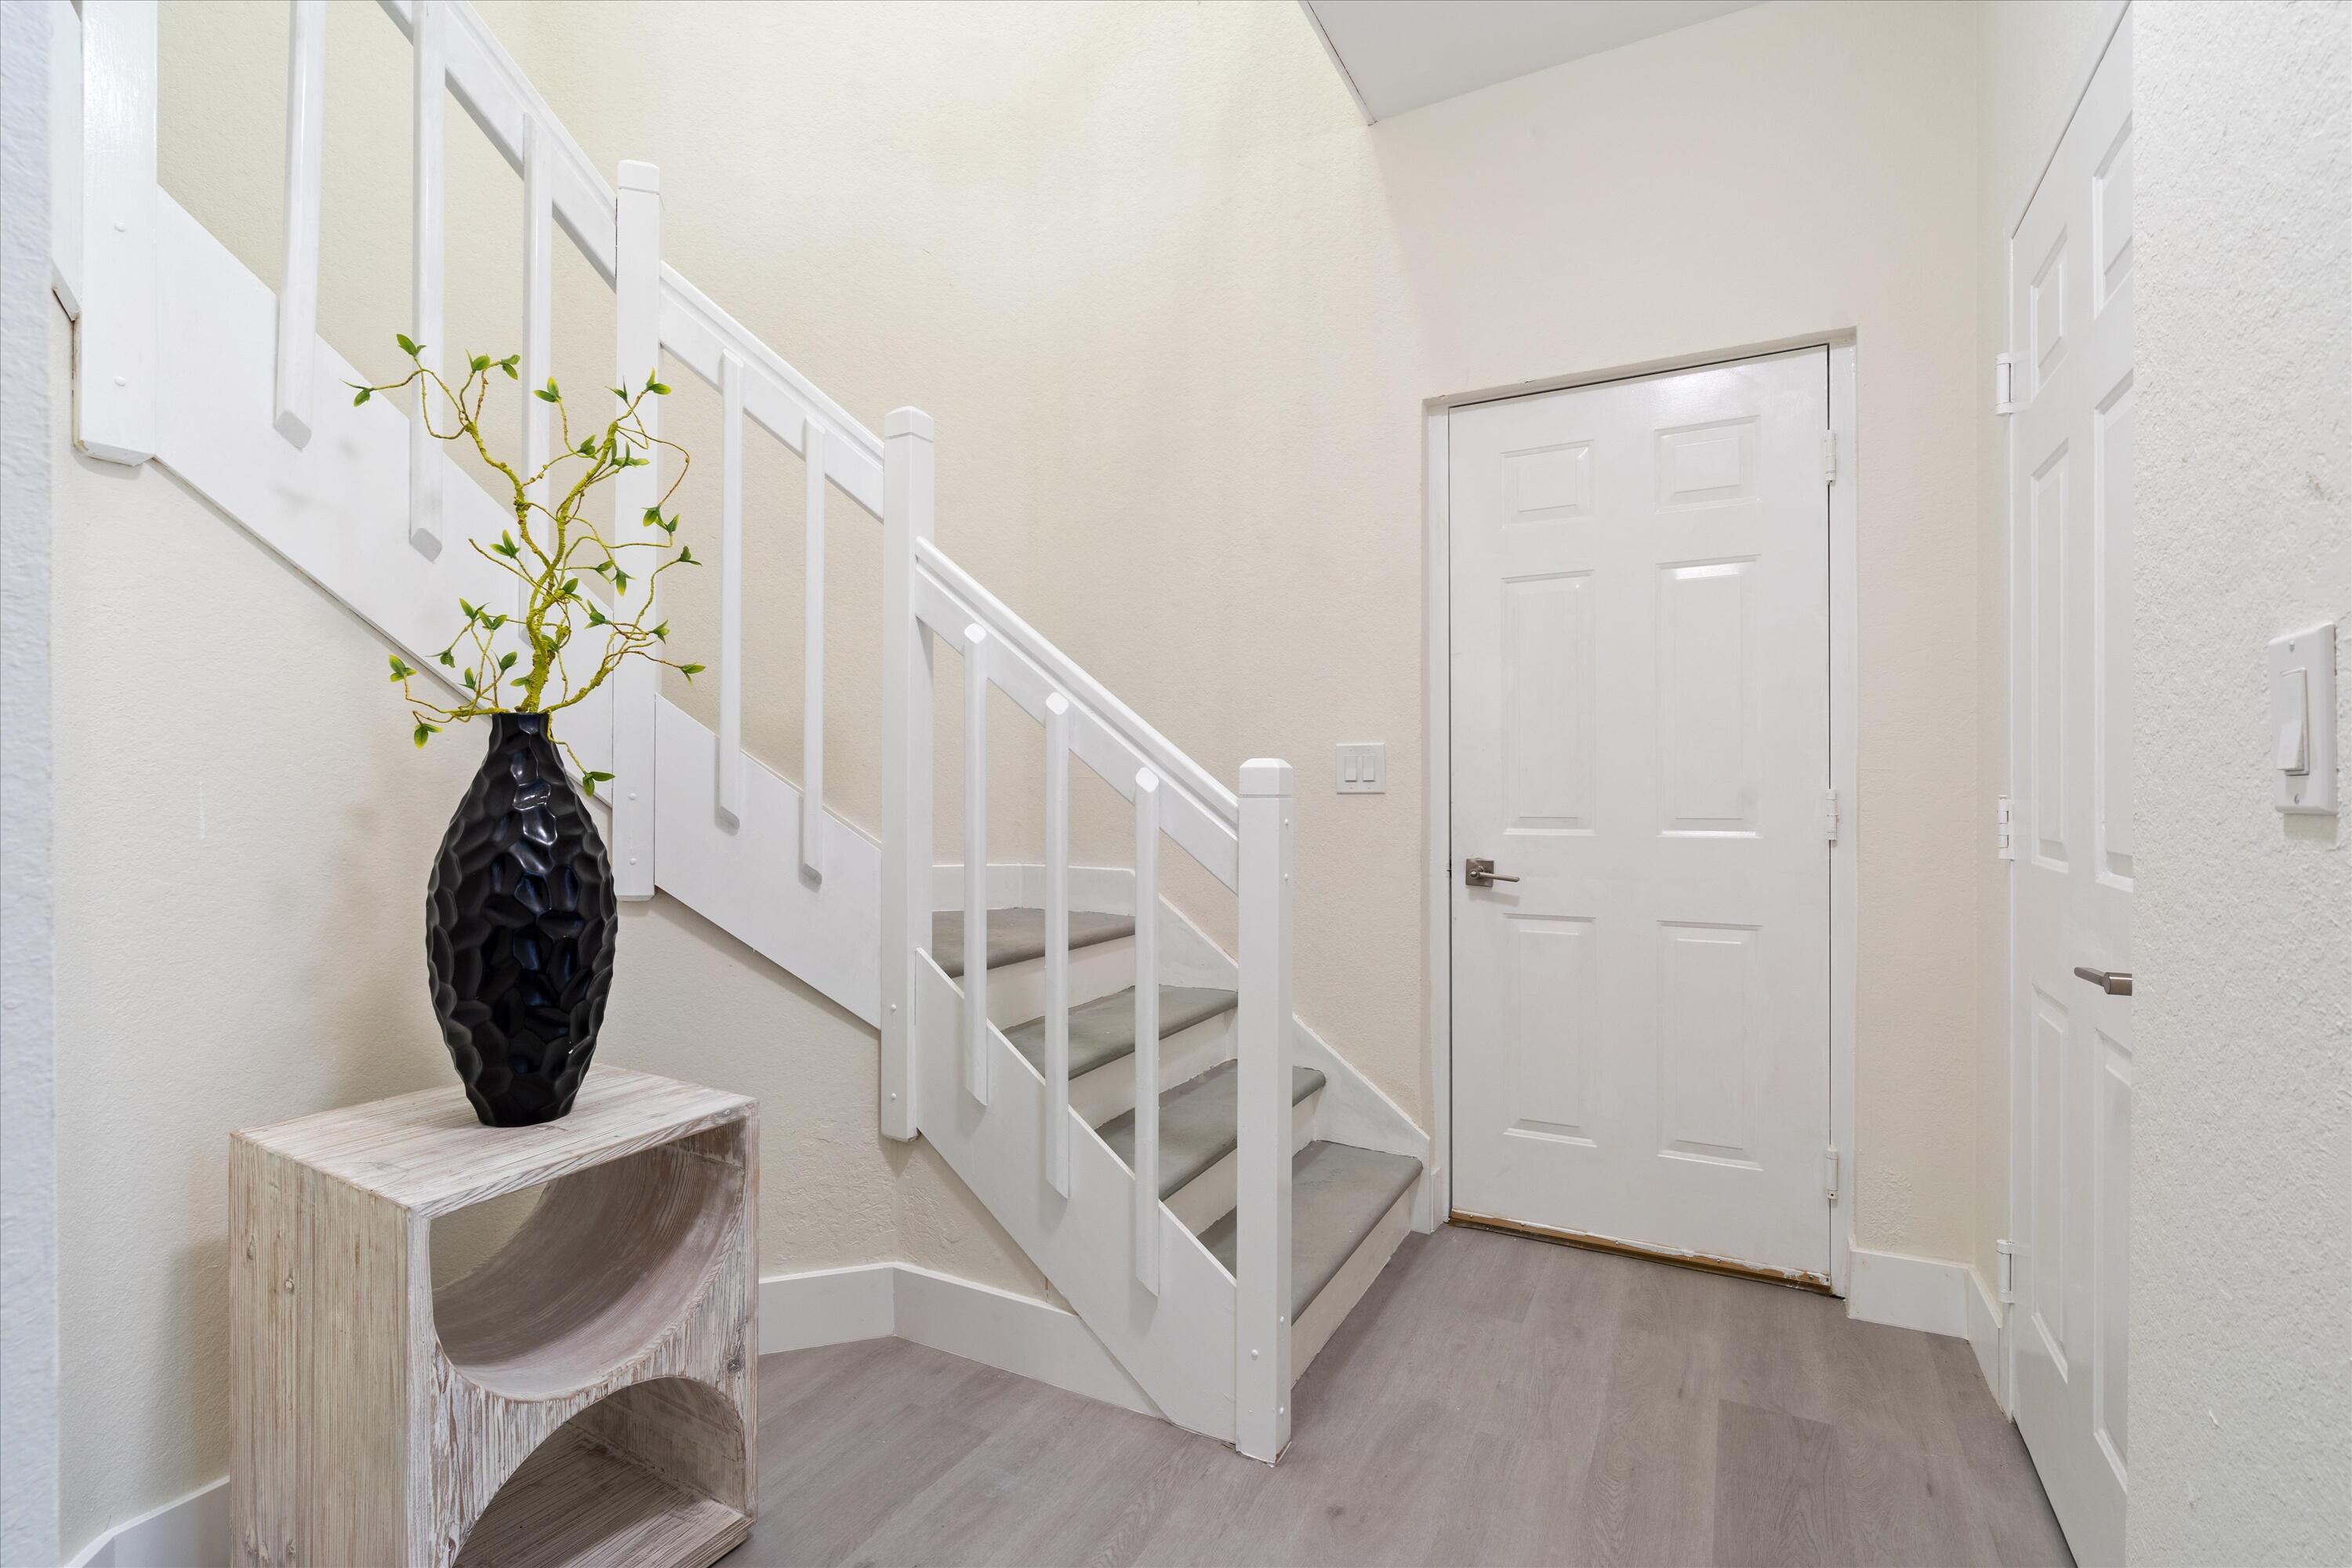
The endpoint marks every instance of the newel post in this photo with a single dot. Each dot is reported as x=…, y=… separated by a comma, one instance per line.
x=1261, y=1215
x=906, y=505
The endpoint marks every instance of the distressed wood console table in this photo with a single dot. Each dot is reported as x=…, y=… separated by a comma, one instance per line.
x=585, y=1395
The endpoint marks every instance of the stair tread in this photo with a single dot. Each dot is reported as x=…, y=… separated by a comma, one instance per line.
x=1017, y=936
x=1338, y=1194
x=1103, y=1030
x=1196, y=1123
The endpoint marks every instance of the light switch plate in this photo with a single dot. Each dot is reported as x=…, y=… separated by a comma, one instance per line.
x=1363, y=767
x=2303, y=722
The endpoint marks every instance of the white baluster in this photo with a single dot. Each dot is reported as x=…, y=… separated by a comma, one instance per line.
x=1058, y=943
x=297, y=276
x=1262, y=1158
x=1146, y=1031
x=975, y=862
x=730, y=589
x=636, y=685
x=429, y=101
x=907, y=508
x=813, y=451
x=115, y=342
x=538, y=303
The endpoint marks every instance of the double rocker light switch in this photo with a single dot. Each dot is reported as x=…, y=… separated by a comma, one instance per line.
x=1363, y=767
x=2303, y=721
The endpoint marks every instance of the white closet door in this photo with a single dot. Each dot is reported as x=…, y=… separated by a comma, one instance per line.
x=2071, y=264
x=1641, y=737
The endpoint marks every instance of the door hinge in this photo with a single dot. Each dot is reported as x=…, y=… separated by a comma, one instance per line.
x=2004, y=384
x=2006, y=1285
x=2004, y=835
x=1830, y=823
x=1829, y=457
x=1833, y=1162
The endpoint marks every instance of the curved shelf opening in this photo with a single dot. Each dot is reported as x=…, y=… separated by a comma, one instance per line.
x=653, y=1474
x=607, y=1259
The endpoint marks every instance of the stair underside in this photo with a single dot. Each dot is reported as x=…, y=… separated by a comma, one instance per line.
x=1017, y=936
x=1197, y=1122
x=1338, y=1194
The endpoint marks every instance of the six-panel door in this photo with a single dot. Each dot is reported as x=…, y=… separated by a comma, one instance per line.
x=1640, y=652
x=2070, y=467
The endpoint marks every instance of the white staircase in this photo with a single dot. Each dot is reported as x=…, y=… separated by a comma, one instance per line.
x=1100, y=1034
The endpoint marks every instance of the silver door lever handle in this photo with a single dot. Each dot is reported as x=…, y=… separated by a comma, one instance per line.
x=2115, y=983
x=1478, y=873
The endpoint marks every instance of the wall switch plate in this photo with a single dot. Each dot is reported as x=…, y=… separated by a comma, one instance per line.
x=2303, y=722
x=1363, y=767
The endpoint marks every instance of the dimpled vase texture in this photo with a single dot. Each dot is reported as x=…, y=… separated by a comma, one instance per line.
x=520, y=926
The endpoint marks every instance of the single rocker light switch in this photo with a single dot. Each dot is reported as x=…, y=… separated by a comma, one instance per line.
x=2303, y=722
x=1362, y=763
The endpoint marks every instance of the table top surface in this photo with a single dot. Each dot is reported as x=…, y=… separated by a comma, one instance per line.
x=427, y=1152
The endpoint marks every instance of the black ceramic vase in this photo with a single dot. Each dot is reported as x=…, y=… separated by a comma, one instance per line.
x=520, y=926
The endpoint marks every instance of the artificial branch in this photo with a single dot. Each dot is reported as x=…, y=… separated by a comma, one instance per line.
x=541, y=555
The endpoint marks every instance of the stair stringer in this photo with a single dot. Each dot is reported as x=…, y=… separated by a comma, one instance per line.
x=336, y=511
x=1177, y=1345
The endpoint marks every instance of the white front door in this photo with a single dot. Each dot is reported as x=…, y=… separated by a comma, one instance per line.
x=2071, y=718
x=1641, y=736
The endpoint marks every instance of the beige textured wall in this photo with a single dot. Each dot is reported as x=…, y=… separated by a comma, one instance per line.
x=2241, y=1429
x=2033, y=55
x=1177, y=313
x=1177, y=310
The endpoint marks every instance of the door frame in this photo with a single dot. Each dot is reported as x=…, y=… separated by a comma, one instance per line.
x=2086, y=71
x=1437, y=739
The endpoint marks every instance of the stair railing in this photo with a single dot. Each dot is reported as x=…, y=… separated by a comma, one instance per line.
x=406, y=585
x=1242, y=841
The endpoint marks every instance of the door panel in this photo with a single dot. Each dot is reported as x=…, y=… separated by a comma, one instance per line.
x=1641, y=736
x=2071, y=612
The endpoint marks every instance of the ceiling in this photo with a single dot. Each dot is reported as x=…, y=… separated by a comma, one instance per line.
x=1401, y=54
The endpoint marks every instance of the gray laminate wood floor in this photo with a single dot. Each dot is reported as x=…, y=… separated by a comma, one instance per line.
x=1493, y=1400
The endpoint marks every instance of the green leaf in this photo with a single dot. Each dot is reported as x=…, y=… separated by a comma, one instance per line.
x=690, y=671
x=468, y=679
x=602, y=568
x=448, y=658
x=670, y=525
x=654, y=385
x=360, y=397
x=412, y=348
x=400, y=670
x=653, y=516
x=595, y=617
x=507, y=364
x=571, y=586
x=587, y=448
x=506, y=661
x=547, y=394
x=620, y=580
x=592, y=780
x=472, y=611
x=507, y=547
x=423, y=730
x=492, y=623
x=621, y=392
x=686, y=556
x=479, y=363
x=661, y=632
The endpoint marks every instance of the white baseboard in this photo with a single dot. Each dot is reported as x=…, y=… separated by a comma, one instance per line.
x=979, y=1322
x=1986, y=1317
x=192, y=1532
x=1926, y=1293
x=822, y=1307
